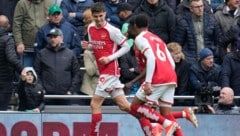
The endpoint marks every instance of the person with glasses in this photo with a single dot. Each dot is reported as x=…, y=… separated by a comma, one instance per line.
x=196, y=31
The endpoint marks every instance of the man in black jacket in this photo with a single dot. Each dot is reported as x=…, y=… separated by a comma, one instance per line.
x=57, y=67
x=9, y=63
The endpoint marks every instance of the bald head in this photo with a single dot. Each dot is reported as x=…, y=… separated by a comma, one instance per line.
x=4, y=22
x=226, y=96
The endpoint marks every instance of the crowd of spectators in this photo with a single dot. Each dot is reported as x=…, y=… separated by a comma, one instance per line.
x=202, y=36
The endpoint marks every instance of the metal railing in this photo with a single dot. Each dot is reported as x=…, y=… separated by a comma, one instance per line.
x=128, y=96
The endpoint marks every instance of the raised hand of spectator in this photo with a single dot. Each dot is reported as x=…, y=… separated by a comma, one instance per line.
x=23, y=75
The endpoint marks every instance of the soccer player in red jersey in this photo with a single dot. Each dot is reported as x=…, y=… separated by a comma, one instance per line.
x=103, y=40
x=158, y=68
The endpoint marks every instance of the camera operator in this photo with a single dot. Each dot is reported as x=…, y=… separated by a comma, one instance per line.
x=205, y=73
x=226, y=104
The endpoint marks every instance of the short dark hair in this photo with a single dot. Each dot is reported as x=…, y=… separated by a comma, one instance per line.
x=140, y=20
x=98, y=7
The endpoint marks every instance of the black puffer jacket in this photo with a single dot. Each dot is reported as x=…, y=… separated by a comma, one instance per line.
x=185, y=36
x=162, y=19
x=9, y=61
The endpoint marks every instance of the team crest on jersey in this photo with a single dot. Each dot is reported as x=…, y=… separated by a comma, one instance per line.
x=102, y=79
x=103, y=35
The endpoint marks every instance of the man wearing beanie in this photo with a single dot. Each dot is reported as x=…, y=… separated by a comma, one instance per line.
x=205, y=73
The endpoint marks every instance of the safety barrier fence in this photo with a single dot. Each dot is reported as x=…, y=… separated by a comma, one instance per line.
x=130, y=96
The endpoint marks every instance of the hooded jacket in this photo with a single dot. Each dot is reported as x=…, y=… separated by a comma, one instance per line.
x=31, y=95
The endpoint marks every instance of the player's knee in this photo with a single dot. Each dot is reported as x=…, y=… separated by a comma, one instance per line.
x=94, y=105
x=124, y=108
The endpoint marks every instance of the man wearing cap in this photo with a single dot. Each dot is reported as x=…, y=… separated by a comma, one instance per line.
x=70, y=37
x=205, y=73
x=57, y=67
x=29, y=16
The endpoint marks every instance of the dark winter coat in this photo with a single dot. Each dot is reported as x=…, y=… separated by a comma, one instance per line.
x=185, y=36
x=9, y=62
x=201, y=79
x=57, y=69
x=31, y=96
x=162, y=19
x=230, y=73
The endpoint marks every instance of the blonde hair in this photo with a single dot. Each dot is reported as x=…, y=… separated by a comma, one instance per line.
x=87, y=17
x=174, y=46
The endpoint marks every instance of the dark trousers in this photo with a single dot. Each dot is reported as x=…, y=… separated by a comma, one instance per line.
x=5, y=96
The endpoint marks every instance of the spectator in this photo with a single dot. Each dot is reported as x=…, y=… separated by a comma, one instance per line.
x=205, y=74
x=73, y=13
x=182, y=71
x=225, y=103
x=112, y=17
x=106, y=53
x=231, y=37
x=30, y=92
x=227, y=15
x=157, y=10
x=7, y=8
x=71, y=38
x=172, y=4
x=29, y=16
x=215, y=4
x=128, y=63
x=57, y=68
x=87, y=19
x=134, y=3
x=124, y=11
x=230, y=73
x=184, y=7
x=90, y=77
x=196, y=31
x=9, y=63
x=129, y=70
